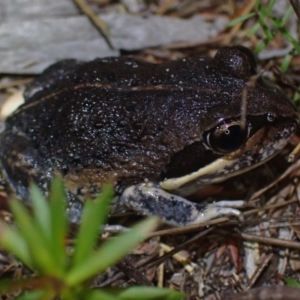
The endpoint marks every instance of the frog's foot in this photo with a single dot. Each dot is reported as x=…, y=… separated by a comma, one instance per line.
x=221, y=209
x=74, y=208
x=150, y=199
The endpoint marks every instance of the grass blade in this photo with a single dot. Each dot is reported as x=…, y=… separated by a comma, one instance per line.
x=261, y=45
x=253, y=29
x=270, y=7
x=286, y=16
x=286, y=63
x=240, y=19
x=265, y=29
x=290, y=38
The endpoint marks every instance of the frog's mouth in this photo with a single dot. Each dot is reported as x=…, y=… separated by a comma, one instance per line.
x=262, y=146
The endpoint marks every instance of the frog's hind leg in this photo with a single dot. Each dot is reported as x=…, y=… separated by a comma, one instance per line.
x=150, y=199
x=22, y=164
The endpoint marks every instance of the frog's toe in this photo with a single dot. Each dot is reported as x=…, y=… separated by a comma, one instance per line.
x=230, y=203
x=220, y=209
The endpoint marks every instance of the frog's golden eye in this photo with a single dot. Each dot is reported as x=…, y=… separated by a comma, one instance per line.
x=227, y=136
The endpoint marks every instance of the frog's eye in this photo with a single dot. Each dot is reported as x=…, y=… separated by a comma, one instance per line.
x=227, y=136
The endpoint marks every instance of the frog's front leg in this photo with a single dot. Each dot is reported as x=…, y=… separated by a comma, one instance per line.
x=150, y=199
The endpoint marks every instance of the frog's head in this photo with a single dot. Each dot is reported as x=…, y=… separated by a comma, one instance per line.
x=228, y=145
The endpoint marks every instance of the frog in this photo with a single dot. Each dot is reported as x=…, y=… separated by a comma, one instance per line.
x=156, y=132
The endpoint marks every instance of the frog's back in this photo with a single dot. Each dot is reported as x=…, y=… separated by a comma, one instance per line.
x=116, y=72
x=124, y=117
x=124, y=102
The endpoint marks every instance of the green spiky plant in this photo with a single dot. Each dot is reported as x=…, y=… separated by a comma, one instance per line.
x=270, y=26
x=38, y=240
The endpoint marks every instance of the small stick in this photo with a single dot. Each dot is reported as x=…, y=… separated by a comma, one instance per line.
x=95, y=20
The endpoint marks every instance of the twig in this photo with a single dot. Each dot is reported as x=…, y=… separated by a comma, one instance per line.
x=133, y=273
x=261, y=239
x=95, y=20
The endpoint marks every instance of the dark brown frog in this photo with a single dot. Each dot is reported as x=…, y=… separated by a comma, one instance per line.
x=156, y=132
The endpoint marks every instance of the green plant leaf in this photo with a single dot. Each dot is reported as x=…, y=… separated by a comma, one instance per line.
x=29, y=242
x=292, y=282
x=37, y=242
x=93, y=216
x=296, y=96
x=99, y=294
x=41, y=211
x=39, y=294
x=32, y=295
x=14, y=242
x=146, y=293
x=59, y=221
x=110, y=252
